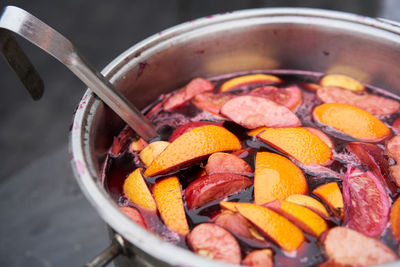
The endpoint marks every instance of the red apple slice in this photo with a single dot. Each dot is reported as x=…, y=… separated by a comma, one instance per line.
x=289, y=97
x=211, y=102
x=227, y=163
x=259, y=258
x=134, y=215
x=366, y=201
x=393, y=150
x=212, y=187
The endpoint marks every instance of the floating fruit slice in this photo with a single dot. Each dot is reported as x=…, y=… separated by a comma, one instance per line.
x=372, y=157
x=321, y=135
x=214, y=242
x=276, y=177
x=346, y=247
x=367, y=203
x=193, y=146
x=121, y=141
x=395, y=219
x=136, y=190
x=252, y=112
x=211, y=102
x=276, y=227
x=310, y=203
x=189, y=126
x=304, y=218
x=137, y=145
x=227, y=163
x=297, y=142
x=134, y=215
x=150, y=152
x=194, y=87
x=215, y=186
x=289, y=97
x=342, y=81
x=396, y=125
x=352, y=121
x=168, y=196
x=231, y=206
x=393, y=150
x=247, y=80
x=376, y=105
x=310, y=86
x=259, y=258
x=330, y=194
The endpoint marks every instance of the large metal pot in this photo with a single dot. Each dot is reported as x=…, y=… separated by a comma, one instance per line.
x=276, y=38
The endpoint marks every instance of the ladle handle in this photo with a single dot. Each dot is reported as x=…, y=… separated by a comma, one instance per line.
x=34, y=30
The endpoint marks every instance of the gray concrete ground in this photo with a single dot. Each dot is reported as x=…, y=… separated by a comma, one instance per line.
x=44, y=218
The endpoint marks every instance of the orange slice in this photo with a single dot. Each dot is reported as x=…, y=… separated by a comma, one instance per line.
x=342, y=81
x=248, y=79
x=352, y=121
x=136, y=190
x=231, y=206
x=321, y=135
x=150, y=152
x=276, y=177
x=168, y=196
x=304, y=218
x=395, y=219
x=287, y=235
x=310, y=203
x=193, y=146
x=330, y=194
x=297, y=142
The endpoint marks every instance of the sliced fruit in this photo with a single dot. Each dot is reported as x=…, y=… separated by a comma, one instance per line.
x=247, y=80
x=304, y=218
x=342, y=81
x=259, y=258
x=393, y=150
x=310, y=86
x=214, y=242
x=227, y=163
x=297, y=142
x=242, y=153
x=376, y=105
x=193, y=146
x=134, y=215
x=137, y=145
x=396, y=125
x=150, y=152
x=276, y=177
x=366, y=201
x=310, y=203
x=231, y=206
x=395, y=219
x=347, y=247
x=252, y=112
x=121, y=142
x=193, y=88
x=321, y=135
x=136, y=190
x=289, y=97
x=211, y=102
x=352, y=121
x=274, y=226
x=330, y=194
x=215, y=186
x=372, y=157
x=168, y=196
x=188, y=127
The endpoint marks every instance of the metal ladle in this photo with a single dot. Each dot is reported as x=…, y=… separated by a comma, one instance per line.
x=19, y=21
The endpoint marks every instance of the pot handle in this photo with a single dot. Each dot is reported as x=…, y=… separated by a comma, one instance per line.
x=111, y=252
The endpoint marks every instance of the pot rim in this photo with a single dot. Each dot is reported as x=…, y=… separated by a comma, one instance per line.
x=81, y=158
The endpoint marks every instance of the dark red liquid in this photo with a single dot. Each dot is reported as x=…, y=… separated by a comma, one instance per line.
x=117, y=168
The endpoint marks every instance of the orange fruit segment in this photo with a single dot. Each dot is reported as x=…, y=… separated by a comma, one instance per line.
x=296, y=142
x=330, y=194
x=231, y=206
x=395, y=219
x=342, y=81
x=168, y=196
x=310, y=203
x=287, y=235
x=150, y=152
x=321, y=135
x=304, y=218
x=276, y=177
x=248, y=79
x=136, y=190
x=193, y=146
x=352, y=121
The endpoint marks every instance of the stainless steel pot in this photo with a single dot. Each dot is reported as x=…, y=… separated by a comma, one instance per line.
x=277, y=38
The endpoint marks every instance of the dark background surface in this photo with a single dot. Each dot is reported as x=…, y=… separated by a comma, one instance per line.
x=44, y=218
